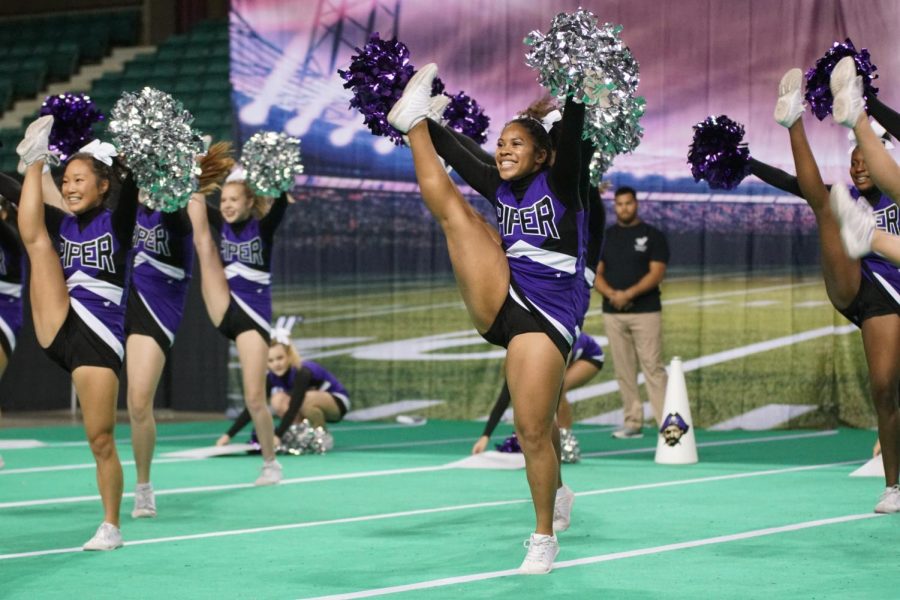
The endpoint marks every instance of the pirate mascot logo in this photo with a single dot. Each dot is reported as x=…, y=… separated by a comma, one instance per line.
x=673, y=429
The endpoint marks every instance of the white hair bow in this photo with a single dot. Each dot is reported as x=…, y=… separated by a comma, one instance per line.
x=281, y=332
x=879, y=133
x=237, y=175
x=550, y=118
x=102, y=151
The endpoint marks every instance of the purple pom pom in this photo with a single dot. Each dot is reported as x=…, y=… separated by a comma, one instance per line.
x=437, y=86
x=467, y=117
x=510, y=444
x=377, y=76
x=718, y=154
x=818, y=92
x=73, y=118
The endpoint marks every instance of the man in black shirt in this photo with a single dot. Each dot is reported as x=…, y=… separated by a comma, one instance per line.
x=632, y=265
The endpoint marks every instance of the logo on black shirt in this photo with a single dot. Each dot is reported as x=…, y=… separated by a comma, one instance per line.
x=537, y=219
x=640, y=244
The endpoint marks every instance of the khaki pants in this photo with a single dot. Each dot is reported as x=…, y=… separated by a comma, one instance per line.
x=634, y=338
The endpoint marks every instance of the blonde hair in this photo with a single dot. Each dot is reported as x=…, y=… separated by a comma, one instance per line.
x=292, y=354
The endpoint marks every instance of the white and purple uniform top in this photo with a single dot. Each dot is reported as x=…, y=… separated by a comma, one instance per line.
x=93, y=248
x=161, y=271
x=321, y=380
x=876, y=268
x=246, y=251
x=544, y=243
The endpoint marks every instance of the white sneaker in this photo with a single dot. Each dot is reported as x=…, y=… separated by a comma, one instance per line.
x=144, y=502
x=35, y=145
x=436, y=108
x=847, y=91
x=627, y=433
x=857, y=221
x=542, y=550
x=108, y=537
x=889, y=502
x=562, y=509
x=790, y=98
x=414, y=104
x=271, y=473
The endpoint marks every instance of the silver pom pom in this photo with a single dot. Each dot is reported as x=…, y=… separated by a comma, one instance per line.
x=153, y=132
x=271, y=160
x=297, y=439
x=600, y=164
x=322, y=441
x=571, y=451
x=578, y=58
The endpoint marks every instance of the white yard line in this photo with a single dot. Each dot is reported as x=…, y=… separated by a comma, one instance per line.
x=601, y=558
x=425, y=511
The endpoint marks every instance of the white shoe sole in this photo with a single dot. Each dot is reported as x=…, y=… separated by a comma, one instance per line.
x=143, y=513
x=790, y=84
x=841, y=83
x=38, y=128
x=429, y=70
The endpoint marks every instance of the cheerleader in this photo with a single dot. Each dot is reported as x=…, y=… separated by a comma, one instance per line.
x=77, y=292
x=10, y=275
x=866, y=291
x=238, y=296
x=161, y=271
x=522, y=295
x=298, y=389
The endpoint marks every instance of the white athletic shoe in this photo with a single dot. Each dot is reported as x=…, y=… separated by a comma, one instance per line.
x=271, y=473
x=847, y=91
x=108, y=537
x=144, y=502
x=542, y=550
x=436, y=108
x=562, y=509
x=790, y=98
x=857, y=221
x=34, y=146
x=889, y=502
x=415, y=103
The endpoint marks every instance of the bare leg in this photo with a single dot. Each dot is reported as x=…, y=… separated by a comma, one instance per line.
x=841, y=273
x=97, y=389
x=145, y=365
x=479, y=263
x=578, y=374
x=213, y=283
x=47, y=284
x=252, y=351
x=320, y=407
x=880, y=335
x=882, y=167
x=534, y=370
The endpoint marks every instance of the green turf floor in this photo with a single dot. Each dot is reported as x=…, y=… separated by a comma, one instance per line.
x=383, y=510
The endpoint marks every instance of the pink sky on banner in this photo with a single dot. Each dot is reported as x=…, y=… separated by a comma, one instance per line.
x=697, y=57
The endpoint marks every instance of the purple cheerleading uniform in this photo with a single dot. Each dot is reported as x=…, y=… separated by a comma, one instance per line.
x=321, y=380
x=545, y=246
x=11, y=275
x=246, y=251
x=94, y=262
x=876, y=268
x=587, y=348
x=161, y=271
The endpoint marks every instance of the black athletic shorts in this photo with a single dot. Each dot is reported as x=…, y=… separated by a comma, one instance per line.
x=139, y=321
x=77, y=345
x=237, y=321
x=870, y=301
x=513, y=320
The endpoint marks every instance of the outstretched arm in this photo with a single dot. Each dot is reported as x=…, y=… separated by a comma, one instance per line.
x=883, y=170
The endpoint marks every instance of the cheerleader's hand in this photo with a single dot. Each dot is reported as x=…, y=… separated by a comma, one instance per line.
x=222, y=441
x=480, y=445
